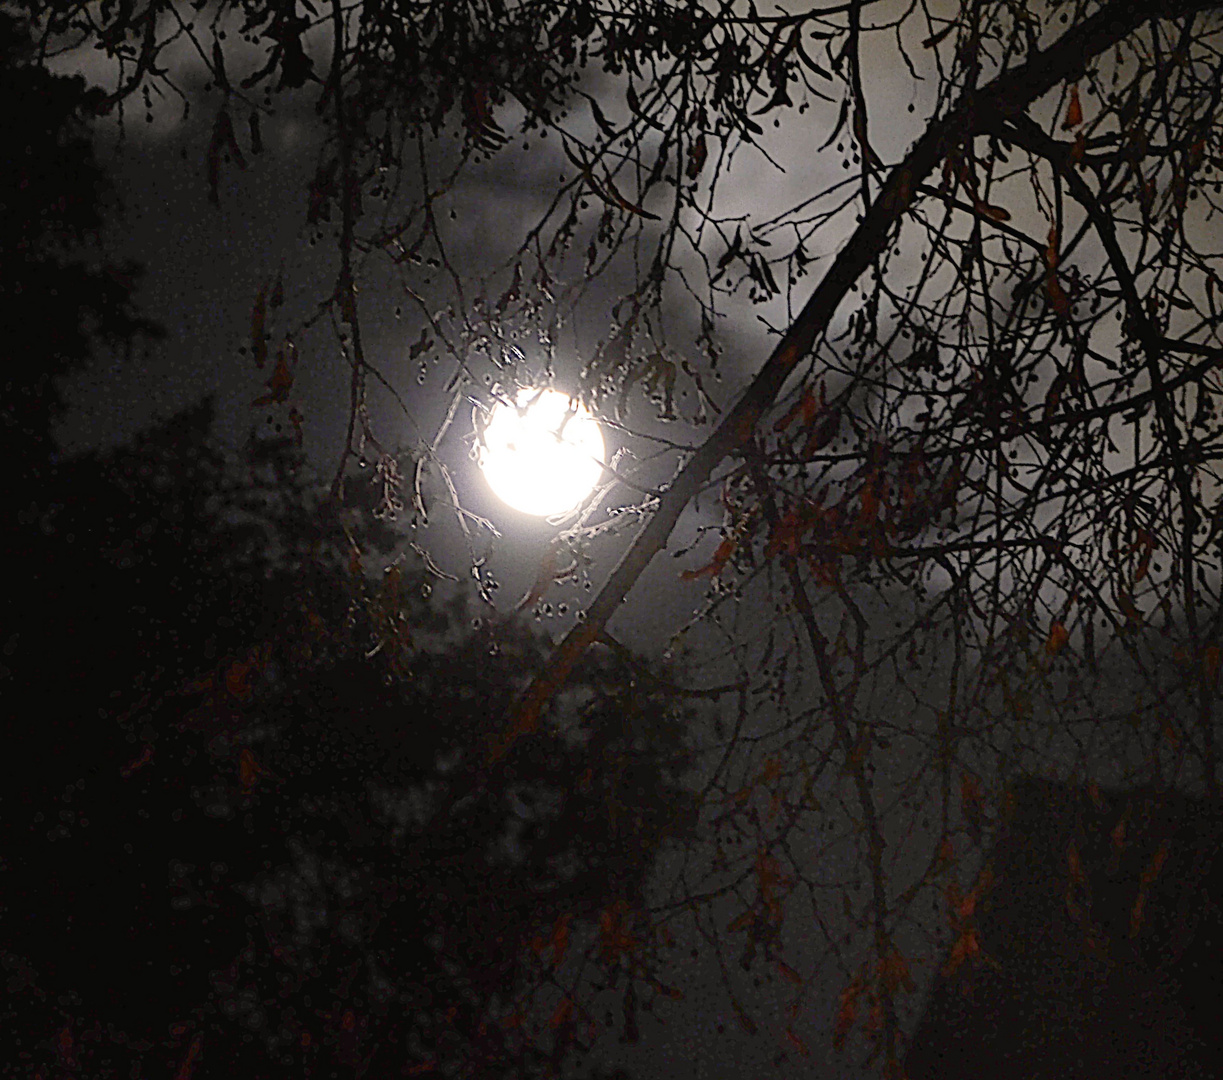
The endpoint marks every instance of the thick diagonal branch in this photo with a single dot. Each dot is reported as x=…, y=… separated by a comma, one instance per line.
x=1009, y=94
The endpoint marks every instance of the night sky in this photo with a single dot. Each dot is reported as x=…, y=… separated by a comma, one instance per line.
x=204, y=266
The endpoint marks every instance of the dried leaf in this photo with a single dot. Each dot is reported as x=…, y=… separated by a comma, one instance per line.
x=1127, y=608
x=1058, y=636
x=945, y=855
x=1151, y=872
x=696, y=157
x=1147, y=546
x=1074, y=863
x=823, y=433
x=281, y=381
x=797, y=1043
x=1057, y=295
x=894, y=971
x=715, y=566
x=967, y=946
x=789, y=974
x=742, y=922
x=188, y=1065
x=1074, y=110
x=1051, y=248
x=994, y=213
x=847, y=1013
x=145, y=756
x=248, y=768
x=237, y=680
x=563, y=1012
x=559, y=941
x=63, y=1048
x=745, y=1021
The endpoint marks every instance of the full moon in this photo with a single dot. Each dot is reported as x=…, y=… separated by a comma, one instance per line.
x=543, y=457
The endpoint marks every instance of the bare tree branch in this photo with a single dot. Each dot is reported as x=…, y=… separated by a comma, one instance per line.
x=1009, y=95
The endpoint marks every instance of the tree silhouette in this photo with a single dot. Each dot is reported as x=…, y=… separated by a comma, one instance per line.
x=252, y=838
x=977, y=462
x=55, y=200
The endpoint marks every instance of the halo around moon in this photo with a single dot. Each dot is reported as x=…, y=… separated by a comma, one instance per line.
x=543, y=457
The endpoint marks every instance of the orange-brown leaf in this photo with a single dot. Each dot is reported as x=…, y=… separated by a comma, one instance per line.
x=994, y=213
x=145, y=756
x=847, y=1013
x=797, y=1043
x=248, y=768
x=787, y=534
x=1074, y=110
x=715, y=566
x=1074, y=863
x=1126, y=605
x=563, y=1012
x=188, y=1064
x=560, y=938
x=771, y=770
x=1151, y=872
x=1058, y=636
x=789, y=974
x=945, y=855
x=967, y=946
x=1057, y=295
x=823, y=433
x=742, y=922
x=281, y=381
x=237, y=678
x=1051, y=248
x=810, y=406
x=807, y=405
x=1140, y=903
x=894, y=971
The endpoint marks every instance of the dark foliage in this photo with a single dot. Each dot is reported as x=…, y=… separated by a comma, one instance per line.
x=246, y=823
x=59, y=297
x=1098, y=925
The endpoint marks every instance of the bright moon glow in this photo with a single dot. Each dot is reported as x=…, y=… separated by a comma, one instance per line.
x=545, y=461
